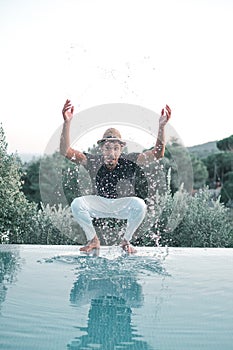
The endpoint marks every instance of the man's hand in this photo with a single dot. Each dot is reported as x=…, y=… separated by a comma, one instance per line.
x=165, y=116
x=68, y=111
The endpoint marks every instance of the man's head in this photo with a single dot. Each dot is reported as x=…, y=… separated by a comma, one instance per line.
x=111, y=145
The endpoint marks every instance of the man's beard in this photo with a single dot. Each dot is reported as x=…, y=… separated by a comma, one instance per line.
x=110, y=164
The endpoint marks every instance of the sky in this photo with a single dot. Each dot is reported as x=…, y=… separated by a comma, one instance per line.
x=147, y=53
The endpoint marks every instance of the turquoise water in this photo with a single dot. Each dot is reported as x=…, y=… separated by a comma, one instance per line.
x=51, y=297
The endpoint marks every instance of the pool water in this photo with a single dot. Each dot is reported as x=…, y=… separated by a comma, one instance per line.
x=52, y=297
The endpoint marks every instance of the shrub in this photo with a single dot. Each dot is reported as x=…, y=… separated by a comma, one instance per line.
x=17, y=214
x=207, y=223
x=184, y=220
x=56, y=226
x=165, y=212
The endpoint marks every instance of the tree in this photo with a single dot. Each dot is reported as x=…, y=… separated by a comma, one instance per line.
x=226, y=144
x=200, y=173
x=30, y=178
x=94, y=149
x=218, y=165
x=227, y=189
x=180, y=164
x=60, y=180
x=16, y=213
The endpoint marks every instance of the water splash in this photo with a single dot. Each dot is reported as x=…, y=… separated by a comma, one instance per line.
x=113, y=262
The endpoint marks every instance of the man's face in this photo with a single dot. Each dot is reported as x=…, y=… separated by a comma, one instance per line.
x=111, y=152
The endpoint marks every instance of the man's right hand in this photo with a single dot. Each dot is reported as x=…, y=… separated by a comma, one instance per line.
x=68, y=111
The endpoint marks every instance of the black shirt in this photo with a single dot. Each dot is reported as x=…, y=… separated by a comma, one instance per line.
x=126, y=179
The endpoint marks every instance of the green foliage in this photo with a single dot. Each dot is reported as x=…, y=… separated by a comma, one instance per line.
x=185, y=167
x=16, y=213
x=174, y=217
x=53, y=179
x=56, y=226
x=218, y=165
x=183, y=220
x=220, y=168
x=95, y=149
x=227, y=189
x=206, y=223
x=50, y=179
x=204, y=150
x=30, y=179
x=20, y=220
x=200, y=173
x=179, y=161
x=226, y=144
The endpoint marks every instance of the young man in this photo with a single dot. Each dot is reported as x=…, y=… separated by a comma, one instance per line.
x=108, y=172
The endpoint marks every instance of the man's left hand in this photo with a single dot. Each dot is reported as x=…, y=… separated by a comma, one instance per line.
x=165, y=116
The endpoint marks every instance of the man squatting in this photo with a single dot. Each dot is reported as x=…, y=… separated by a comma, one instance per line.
x=107, y=171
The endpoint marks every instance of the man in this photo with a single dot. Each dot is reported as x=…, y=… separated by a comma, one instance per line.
x=108, y=172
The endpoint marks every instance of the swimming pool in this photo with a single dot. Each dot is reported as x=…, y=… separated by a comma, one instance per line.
x=51, y=297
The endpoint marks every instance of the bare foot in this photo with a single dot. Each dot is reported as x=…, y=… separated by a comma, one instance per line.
x=94, y=243
x=127, y=247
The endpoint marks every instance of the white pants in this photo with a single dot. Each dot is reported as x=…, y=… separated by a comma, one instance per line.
x=84, y=208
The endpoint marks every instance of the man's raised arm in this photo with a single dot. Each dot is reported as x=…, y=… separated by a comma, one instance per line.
x=65, y=149
x=158, y=151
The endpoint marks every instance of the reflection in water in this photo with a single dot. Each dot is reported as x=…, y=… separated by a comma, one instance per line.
x=112, y=289
x=9, y=264
x=126, y=287
x=109, y=327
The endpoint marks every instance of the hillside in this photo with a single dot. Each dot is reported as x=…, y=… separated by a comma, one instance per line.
x=204, y=150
